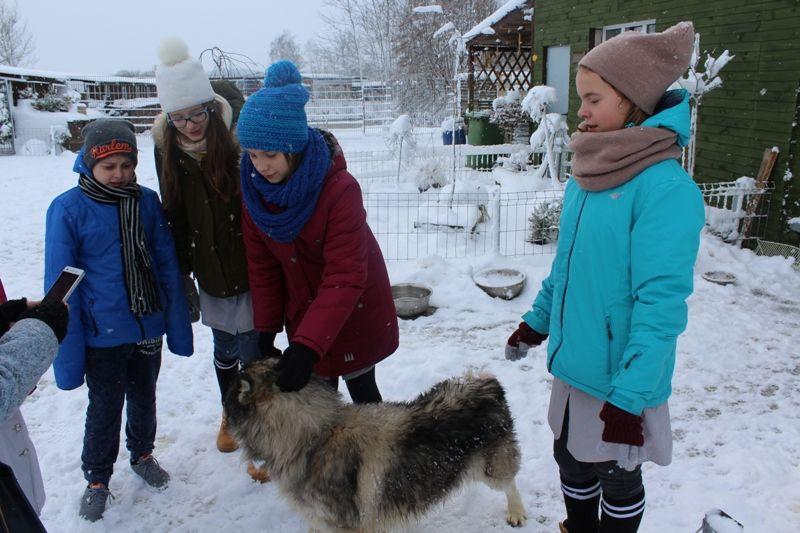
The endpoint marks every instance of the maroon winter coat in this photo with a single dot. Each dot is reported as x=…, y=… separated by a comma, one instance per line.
x=329, y=286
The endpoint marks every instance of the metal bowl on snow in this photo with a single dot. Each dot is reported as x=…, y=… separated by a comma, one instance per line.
x=719, y=277
x=410, y=299
x=505, y=283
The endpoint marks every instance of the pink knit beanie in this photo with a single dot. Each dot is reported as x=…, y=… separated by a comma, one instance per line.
x=643, y=65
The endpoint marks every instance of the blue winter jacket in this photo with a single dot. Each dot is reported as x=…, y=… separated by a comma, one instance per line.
x=615, y=300
x=84, y=233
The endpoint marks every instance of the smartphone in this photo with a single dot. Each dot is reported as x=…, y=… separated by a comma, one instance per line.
x=65, y=283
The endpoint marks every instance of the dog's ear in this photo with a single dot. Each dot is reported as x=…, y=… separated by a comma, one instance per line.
x=246, y=389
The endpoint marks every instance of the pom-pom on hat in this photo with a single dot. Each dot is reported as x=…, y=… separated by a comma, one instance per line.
x=643, y=65
x=274, y=118
x=180, y=79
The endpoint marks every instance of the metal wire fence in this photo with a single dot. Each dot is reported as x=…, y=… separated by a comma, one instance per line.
x=737, y=211
x=452, y=225
x=334, y=104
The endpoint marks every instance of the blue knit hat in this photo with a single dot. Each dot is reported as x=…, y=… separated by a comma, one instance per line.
x=274, y=118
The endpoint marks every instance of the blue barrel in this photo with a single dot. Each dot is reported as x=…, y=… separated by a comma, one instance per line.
x=461, y=137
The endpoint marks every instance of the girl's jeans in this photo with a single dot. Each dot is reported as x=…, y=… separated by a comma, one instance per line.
x=230, y=350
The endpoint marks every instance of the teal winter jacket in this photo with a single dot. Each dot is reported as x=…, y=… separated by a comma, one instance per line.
x=615, y=300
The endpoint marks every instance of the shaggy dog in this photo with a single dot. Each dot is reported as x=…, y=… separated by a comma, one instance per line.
x=367, y=468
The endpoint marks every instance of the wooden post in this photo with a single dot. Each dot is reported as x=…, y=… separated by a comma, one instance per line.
x=767, y=164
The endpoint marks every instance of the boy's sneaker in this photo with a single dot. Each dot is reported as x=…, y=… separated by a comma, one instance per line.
x=151, y=472
x=93, y=502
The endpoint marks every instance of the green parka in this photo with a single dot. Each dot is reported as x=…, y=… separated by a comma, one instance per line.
x=207, y=230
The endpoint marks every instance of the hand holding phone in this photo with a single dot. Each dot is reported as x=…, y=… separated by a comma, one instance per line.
x=64, y=285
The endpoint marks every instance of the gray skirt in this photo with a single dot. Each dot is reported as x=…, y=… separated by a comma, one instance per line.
x=233, y=314
x=584, y=440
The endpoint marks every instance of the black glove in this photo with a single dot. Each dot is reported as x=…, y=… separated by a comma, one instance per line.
x=192, y=297
x=10, y=311
x=266, y=345
x=295, y=367
x=54, y=314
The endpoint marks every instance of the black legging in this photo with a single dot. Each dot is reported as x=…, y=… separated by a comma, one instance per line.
x=362, y=389
x=616, y=481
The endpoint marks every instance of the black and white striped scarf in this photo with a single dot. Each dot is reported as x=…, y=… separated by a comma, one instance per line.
x=139, y=277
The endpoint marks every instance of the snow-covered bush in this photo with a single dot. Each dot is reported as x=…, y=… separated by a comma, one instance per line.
x=60, y=137
x=430, y=172
x=698, y=84
x=402, y=141
x=552, y=124
x=27, y=94
x=6, y=128
x=551, y=135
x=401, y=134
x=515, y=162
x=507, y=113
x=537, y=100
x=52, y=102
x=543, y=222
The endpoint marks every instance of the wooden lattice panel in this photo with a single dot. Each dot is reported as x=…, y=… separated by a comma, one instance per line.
x=495, y=71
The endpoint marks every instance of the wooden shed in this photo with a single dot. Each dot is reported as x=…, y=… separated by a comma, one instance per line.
x=756, y=107
x=499, y=54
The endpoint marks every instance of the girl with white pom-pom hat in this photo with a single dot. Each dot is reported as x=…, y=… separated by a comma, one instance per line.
x=197, y=161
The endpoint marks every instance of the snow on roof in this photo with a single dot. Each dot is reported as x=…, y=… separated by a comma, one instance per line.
x=428, y=9
x=487, y=23
x=64, y=76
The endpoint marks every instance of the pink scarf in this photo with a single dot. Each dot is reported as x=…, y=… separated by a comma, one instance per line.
x=604, y=160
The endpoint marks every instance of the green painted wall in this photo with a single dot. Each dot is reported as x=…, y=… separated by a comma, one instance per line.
x=756, y=107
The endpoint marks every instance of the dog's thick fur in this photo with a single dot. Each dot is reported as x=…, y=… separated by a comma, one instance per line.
x=366, y=468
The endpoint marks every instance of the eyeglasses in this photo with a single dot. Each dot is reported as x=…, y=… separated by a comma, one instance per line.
x=195, y=118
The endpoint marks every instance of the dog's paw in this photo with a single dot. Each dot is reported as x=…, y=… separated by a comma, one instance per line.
x=516, y=518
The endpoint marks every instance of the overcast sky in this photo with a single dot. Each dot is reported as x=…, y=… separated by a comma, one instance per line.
x=102, y=37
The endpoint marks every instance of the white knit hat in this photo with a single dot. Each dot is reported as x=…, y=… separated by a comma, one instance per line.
x=180, y=79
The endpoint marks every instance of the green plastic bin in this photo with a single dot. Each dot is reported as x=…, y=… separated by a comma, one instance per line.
x=481, y=132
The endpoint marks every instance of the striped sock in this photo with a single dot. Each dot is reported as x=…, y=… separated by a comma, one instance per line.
x=581, y=500
x=621, y=516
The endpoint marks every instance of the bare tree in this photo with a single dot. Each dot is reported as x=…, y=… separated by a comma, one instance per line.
x=16, y=43
x=362, y=31
x=331, y=55
x=424, y=72
x=284, y=46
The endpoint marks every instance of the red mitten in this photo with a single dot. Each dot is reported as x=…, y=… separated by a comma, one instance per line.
x=521, y=340
x=621, y=426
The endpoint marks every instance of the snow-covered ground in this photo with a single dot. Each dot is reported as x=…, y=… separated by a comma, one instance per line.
x=735, y=406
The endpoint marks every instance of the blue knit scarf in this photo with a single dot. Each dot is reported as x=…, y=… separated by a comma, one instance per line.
x=297, y=195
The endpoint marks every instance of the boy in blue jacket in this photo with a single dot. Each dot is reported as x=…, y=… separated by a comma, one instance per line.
x=132, y=294
x=615, y=300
